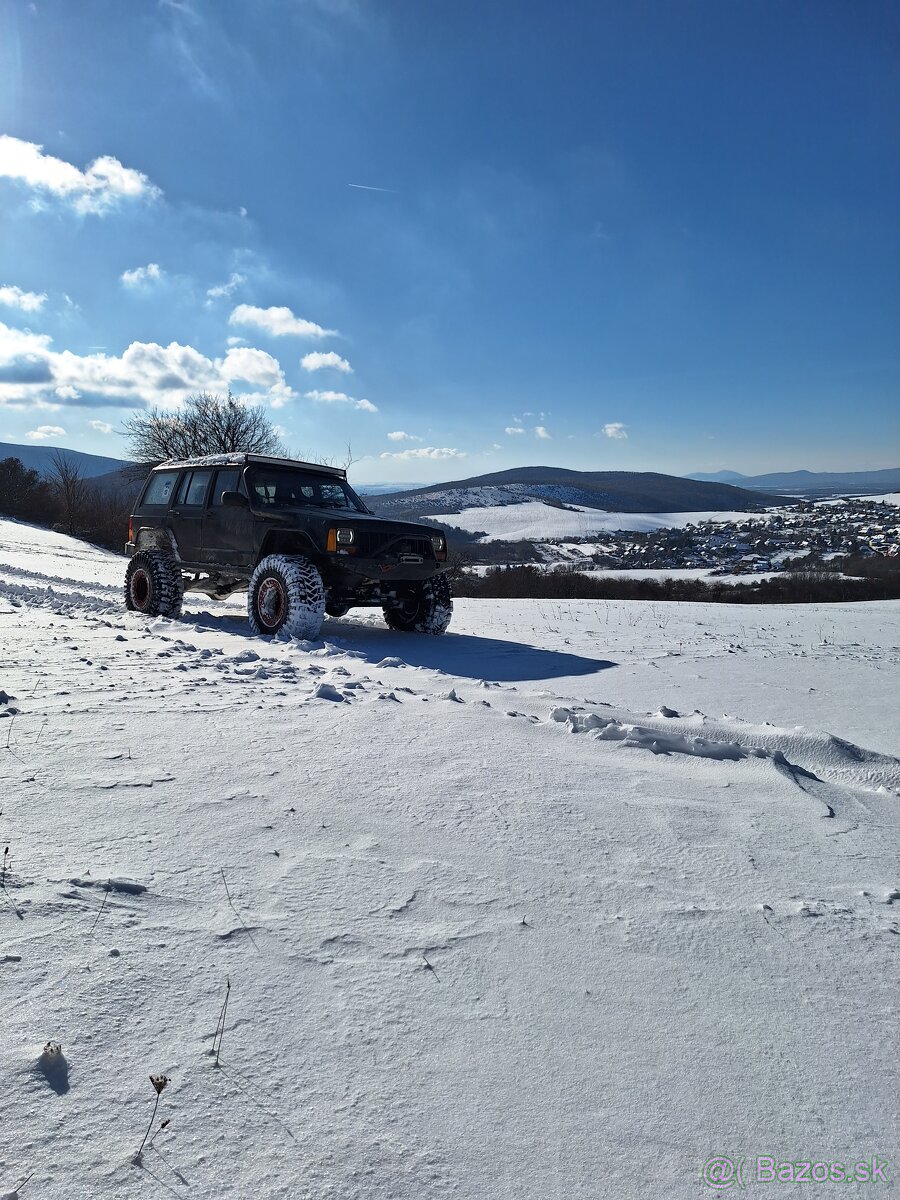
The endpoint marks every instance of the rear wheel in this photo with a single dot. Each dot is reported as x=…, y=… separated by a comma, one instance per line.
x=424, y=607
x=286, y=594
x=153, y=584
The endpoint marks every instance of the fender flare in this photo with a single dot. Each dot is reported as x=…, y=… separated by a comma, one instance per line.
x=149, y=537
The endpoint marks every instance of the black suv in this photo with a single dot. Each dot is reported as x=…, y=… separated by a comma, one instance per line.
x=294, y=534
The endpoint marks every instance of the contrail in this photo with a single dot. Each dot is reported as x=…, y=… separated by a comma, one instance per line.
x=365, y=188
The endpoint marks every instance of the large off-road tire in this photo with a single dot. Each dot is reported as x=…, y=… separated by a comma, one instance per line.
x=153, y=584
x=424, y=607
x=286, y=594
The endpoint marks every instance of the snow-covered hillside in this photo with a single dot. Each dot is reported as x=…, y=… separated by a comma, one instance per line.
x=562, y=904
x=533, y=520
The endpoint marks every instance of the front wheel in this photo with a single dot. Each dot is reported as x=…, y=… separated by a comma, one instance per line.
x=153, y=584
x=286, y=594
x=424, y=607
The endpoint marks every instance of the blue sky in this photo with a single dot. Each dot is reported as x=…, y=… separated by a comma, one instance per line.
x=638, y=236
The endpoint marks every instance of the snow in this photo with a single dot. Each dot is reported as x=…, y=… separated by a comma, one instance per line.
x=239, y=458
x=562, y=903
x=535, y=520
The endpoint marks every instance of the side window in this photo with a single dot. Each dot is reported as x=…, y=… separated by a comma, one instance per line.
x=197, y=490
x=193, y=488
x=159, y=490
x=228, y=480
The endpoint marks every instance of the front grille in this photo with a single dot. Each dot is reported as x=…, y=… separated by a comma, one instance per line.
x=371, y=544
x=411, y=545
x=368, y=543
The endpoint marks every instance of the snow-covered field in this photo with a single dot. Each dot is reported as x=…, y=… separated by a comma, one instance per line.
x=559, y=905
x=538, y=521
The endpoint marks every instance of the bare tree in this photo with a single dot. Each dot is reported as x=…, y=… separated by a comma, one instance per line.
x=71, y=488
x=207, y=424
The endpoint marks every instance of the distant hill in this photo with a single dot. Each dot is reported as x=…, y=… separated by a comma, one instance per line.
x=718, y=477
x=815, y=483
x=614, y=491
x=40, y=458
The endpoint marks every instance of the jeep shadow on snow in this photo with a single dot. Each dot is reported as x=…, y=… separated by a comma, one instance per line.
x=294, y=535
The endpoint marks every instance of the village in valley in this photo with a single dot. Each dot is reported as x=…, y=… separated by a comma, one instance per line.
x=805, y=536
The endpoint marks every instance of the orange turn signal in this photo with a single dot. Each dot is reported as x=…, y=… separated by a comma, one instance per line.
x=331, y=543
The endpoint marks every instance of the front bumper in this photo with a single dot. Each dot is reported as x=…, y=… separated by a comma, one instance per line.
x=349, y=573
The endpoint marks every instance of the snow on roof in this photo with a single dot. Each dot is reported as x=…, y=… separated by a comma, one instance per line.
x=241, y=458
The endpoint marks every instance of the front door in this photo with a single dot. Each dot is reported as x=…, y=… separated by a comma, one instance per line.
x=227, y=532
x=186, y=514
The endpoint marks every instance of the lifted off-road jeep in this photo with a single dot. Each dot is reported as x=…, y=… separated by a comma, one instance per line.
x=294, y=534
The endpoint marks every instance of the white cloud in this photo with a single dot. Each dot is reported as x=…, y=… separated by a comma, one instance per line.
x=328, y=397
x=236, y=341
x=340, y=398
x=512, y=430
x=101, y=426
x=399, y=436
x=279, y=322
x=225, y=289
x=21, y=341
x=142, y=276
x=33, y=375
x=615, y=429
x=45, y=431
x=541, y=432
x=317, y=360
x=14, y=297
x=253, y=366
x=101, y=186
x=432, y=452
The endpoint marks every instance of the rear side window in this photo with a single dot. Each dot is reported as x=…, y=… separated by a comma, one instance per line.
x=159, y=490
x=193, y=488
x=228, y=480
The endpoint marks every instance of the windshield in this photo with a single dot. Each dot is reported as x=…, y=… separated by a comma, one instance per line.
x=281, y=487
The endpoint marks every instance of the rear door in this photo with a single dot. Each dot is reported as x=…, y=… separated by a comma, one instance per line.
x=186, y=514
x=227, y=532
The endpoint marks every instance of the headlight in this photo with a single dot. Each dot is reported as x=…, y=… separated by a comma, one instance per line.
x=438, y=543
x=345, y=537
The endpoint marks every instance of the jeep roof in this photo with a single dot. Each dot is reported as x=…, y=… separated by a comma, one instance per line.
x=242, y=458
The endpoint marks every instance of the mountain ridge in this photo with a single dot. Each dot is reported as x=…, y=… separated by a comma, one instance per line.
x=614, y=491
x=885, y=480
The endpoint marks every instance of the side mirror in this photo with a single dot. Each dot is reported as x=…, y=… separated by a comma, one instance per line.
x=234, y=500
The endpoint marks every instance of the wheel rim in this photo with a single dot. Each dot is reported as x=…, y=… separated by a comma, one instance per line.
x=140, y=589
x=409, y=608
x=271, y=602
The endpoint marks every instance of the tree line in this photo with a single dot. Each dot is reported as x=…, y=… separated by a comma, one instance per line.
x=873, y=582
x=64, y=499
